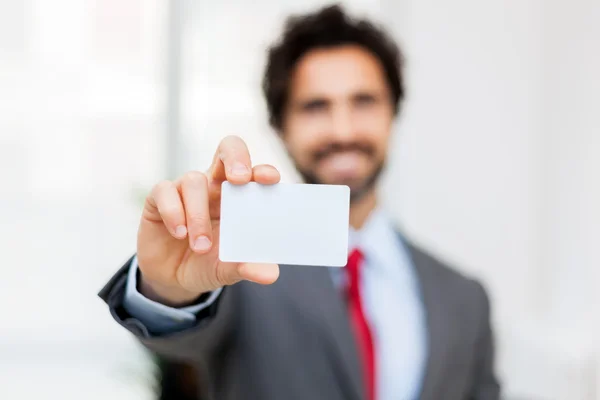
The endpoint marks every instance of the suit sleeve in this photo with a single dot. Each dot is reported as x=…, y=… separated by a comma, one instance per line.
x=486, y=385
x=211, y=330
x=158, y=317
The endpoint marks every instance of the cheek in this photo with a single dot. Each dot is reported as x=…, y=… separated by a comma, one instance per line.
x=302, y=133
x=375, y=126
x=300, y=145
x=378, y=138
x=381, y=140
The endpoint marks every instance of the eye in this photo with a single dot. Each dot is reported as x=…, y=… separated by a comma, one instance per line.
x=314, y=105
x=364, y=100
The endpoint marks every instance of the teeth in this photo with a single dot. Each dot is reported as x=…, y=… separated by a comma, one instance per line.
x=343, y=162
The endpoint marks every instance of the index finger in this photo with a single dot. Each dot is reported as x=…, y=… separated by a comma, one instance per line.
x=231, y=162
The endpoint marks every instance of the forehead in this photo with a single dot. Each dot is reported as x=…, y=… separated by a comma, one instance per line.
x=337, y=71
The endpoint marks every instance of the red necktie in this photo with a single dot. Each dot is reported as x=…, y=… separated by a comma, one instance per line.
x=359, y=323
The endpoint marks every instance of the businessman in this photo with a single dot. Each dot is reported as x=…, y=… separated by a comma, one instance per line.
x=396, y=323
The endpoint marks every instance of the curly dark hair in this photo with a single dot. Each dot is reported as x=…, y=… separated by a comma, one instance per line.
x=325, y=28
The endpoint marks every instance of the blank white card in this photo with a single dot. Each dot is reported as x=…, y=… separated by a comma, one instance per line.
x=297, y=224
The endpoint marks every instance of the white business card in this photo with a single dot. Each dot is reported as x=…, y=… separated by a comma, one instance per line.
x=297, y=224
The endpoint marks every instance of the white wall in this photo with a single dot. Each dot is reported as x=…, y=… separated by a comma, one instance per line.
x=80, y=131
x=497, y=168
x=571, y=105
x=571, y=126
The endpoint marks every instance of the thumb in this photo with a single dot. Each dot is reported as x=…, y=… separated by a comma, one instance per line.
x=264, y=274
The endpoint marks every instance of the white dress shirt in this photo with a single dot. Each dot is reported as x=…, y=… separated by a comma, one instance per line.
x=391, y=300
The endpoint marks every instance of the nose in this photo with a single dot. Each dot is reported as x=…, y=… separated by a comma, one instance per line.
x=342, y=126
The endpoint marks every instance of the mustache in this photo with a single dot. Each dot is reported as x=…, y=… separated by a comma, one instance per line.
x=337, y=147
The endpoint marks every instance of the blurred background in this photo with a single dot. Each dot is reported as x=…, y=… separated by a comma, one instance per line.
x=495, y=167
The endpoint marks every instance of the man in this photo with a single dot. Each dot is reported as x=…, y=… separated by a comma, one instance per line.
x=395, y=323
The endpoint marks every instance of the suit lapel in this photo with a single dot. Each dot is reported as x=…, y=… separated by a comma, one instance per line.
x=311, y=290
x=438, y=322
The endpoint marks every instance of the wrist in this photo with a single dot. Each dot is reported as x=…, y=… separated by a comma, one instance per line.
x=168, y=295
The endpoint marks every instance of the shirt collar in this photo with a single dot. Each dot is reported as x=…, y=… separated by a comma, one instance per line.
x=377, y=239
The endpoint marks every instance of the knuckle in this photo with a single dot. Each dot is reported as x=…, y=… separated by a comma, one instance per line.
x=231, y=146
x=194, y=177
x=220, y=278
x=169, y=212
x=227, y=276
x=162, y=186
x=199, y=220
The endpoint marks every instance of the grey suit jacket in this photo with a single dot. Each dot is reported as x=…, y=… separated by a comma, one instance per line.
x=292, y=340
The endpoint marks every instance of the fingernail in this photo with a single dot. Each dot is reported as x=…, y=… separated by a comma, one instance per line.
x=202, y=243
x=180, y=231
x=239, y=169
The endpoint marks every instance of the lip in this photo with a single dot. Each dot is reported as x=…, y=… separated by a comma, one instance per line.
x=343, y=165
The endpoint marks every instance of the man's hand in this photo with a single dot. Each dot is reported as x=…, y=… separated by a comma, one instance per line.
x=178, y=237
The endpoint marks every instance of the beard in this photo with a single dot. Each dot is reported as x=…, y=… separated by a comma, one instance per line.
x=358, y=189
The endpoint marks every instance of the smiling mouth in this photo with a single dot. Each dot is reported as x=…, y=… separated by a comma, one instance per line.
x=344, y=164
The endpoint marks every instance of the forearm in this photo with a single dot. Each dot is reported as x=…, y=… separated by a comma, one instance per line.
x=187, y=336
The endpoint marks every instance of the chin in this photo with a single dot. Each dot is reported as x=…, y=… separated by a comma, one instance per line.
x=359, y=185
x=354, y=183
x=357, y=181
x=340, y=178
